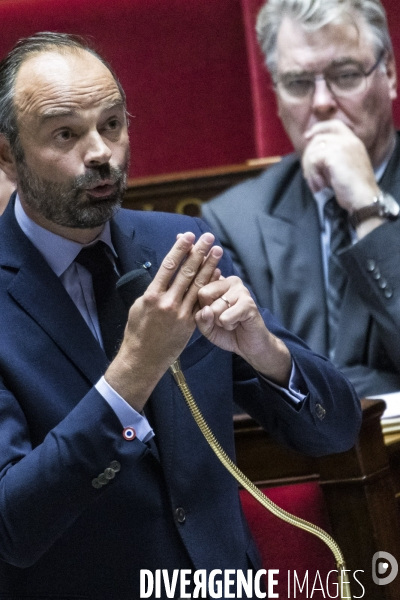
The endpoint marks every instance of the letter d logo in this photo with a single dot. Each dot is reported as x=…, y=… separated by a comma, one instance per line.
x=381, y=561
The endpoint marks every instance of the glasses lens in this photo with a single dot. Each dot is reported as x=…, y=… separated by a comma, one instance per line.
x=342, y=81
x=346, y=80
x=297, y=87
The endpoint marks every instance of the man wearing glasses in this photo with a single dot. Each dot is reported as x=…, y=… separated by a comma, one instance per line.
x=317, y=236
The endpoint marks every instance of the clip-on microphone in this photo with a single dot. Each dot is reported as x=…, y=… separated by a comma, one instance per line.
x=132, y=285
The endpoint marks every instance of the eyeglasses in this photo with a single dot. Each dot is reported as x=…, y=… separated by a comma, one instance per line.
x=341, y=80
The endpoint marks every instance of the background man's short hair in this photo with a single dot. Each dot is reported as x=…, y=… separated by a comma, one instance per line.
x=10, y=65
x=314, y=14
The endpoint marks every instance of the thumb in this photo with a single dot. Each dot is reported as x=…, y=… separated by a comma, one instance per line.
x=205, y=321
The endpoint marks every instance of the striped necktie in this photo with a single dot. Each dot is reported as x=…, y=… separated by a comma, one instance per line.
x=339, y=240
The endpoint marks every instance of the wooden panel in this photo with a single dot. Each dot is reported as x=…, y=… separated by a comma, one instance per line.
x=394, y=460
x=184, y=192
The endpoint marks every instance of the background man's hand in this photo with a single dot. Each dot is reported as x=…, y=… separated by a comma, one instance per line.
x=335, y=157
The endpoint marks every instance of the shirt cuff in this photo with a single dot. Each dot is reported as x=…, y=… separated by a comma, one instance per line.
x=292, y=393
x=128, y=416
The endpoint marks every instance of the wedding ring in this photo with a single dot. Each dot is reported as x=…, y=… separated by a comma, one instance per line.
x=225, y=300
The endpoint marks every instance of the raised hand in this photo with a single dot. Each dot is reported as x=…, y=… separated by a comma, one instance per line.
x=161, y=321
x=230, y=319
x=337, y=158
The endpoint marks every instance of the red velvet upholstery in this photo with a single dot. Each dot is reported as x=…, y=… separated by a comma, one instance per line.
x=182, y=63
x=287, y=548
x=271, y=138
x=192, y=71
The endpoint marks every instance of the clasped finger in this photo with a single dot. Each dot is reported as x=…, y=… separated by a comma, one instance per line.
x=197, y=269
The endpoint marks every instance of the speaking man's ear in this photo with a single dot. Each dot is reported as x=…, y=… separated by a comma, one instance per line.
x=7, y=159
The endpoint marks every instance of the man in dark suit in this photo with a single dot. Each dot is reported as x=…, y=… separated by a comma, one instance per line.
x=103, y=472
x=317, y=235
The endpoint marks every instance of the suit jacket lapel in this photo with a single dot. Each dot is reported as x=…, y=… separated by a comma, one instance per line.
x=291, y=238
x=39, y=292
x=131, y=254
x=390, y=181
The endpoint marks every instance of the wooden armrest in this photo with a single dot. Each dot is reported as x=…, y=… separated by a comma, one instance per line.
x=185, y=191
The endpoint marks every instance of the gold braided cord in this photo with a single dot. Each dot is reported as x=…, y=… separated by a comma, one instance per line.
x=247, y=484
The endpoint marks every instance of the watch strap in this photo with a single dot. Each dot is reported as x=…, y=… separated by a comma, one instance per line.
x=378, y=208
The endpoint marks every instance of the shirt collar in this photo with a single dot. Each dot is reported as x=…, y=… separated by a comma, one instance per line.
x=58, y=251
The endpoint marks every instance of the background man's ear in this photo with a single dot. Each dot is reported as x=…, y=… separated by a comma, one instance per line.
x=392, y=76
x=7, y=160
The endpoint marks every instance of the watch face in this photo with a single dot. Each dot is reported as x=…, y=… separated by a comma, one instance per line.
x=390, y=207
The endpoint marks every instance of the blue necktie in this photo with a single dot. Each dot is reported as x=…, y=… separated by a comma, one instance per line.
x=111, y=310
x=340, y=239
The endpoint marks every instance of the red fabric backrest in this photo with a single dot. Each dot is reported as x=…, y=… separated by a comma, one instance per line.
x=271, y=138
x=194, y=76
x=287, y=548
x=182, y=63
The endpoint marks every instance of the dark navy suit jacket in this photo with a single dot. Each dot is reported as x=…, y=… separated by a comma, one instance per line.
x=59, y=536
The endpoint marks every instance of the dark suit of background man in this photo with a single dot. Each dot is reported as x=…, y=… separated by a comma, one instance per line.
x=333, y=281
x=88, y=496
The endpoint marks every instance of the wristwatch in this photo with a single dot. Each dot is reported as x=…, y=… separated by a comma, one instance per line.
x=383, y=206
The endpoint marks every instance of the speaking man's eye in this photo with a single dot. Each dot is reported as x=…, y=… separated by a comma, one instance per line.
x=112, y=125
x=64, y=135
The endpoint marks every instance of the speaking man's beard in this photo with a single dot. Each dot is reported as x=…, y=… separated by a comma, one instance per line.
x=70, y=204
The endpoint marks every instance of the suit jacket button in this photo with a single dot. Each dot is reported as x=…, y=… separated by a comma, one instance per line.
x=109, y=473
x=388, y=293
x=382, y=283
x=376, y=274
x=371, y=264
x=102, y=479
x=96, y=483
x=115, y=466
x=321, y=412
x=180, y=515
